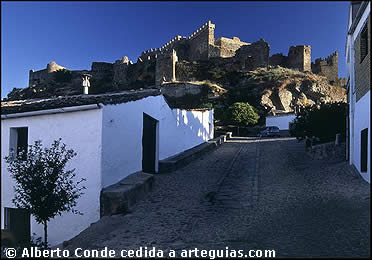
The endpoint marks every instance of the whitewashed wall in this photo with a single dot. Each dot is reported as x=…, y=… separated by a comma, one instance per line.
x=361, y=121
x=359, y=114
x=280, y=121
x=179, y=130
x=108, y=142
x=80, y=131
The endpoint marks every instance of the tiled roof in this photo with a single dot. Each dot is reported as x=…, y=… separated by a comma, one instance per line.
x=19, y=106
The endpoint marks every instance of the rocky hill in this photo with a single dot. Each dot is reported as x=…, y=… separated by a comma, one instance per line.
x=208, y=82
x=267, y=89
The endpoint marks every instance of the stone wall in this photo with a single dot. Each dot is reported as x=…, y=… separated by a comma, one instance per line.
x=254, y=55
x=102, y=70
x=278, y=59
x=43, y=76
x=37, y=77
x=177, y=43
x=299, y=57
x=165, y=70
x=327, y=67
x=328, y=151
x=120, y=69
x=200, y=41
x=227, y=46
x=363, y=67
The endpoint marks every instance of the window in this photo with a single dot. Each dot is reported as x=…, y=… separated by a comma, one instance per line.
x=18, y=141
x=363, y=150
x=364, y=43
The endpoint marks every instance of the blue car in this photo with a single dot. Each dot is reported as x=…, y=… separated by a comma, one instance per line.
x=270, y=131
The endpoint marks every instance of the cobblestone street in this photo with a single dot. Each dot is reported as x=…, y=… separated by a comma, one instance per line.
x=247, y=194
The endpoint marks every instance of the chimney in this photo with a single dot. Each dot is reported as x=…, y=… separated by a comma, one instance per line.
x=86, y=84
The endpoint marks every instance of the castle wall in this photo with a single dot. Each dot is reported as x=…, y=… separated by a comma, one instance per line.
x=165, y=70
x=228, y=47
x=200, y=41
x=299, y=57
x=120, y=73
x=37, y=77
x=102, y=70
x=278, y=59
x=42, y=76
x=254, y=55
x=327, y=67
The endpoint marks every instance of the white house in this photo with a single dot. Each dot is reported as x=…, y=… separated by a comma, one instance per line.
x=114, y=135
x=358, y=49
x=280, y=120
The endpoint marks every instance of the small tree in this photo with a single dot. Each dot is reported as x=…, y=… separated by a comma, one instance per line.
x=43, y=186
x=242, y=114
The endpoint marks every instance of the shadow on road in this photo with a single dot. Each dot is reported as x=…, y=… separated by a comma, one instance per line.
x=240, y=139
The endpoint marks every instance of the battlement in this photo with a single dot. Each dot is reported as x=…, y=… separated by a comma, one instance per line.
x=156, y=65
x=330, y=60
x=206, y=26
x=166, y=46
x=327, y=67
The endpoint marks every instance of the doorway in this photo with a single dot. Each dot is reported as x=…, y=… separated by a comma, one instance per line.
x=17, y=221
x=150, y=146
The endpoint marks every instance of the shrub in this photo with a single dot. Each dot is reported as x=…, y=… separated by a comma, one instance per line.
x=324, y=121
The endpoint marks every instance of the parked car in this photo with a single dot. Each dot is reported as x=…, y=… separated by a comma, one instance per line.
x=270, y=131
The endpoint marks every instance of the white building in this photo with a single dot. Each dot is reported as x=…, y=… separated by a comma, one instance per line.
x=107, y=132
x=358, y=49
x=280, y=120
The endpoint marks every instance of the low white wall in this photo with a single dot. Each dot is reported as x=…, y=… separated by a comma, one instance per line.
x=280, y=121
x=361, y=121
x=179, y=130
x=80, y=131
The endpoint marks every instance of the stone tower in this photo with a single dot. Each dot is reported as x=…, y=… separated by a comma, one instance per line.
x=299, y=57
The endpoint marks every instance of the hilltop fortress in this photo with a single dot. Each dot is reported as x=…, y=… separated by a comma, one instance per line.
x=177, y=61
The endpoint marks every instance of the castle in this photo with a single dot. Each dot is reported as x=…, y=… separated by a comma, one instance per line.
x=159, y=65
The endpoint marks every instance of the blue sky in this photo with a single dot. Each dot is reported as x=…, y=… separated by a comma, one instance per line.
x=74, y=34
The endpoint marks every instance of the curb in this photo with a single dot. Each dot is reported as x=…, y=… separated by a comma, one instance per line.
x=119, y=198
x=182, y=159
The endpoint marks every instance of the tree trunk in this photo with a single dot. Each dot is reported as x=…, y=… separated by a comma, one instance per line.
x=45, y=234
x=238, y=131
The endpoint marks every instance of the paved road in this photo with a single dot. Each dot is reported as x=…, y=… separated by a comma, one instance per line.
x=248, y=194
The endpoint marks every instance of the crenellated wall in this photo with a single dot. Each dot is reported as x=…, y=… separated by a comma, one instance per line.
x=200, y=41
x=327, y=67
x=174, y=43
x=154, y=66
